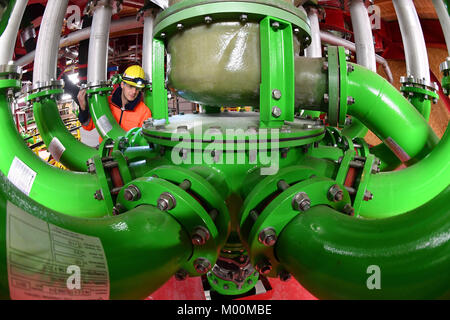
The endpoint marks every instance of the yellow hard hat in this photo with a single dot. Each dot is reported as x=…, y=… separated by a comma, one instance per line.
x=134, y=76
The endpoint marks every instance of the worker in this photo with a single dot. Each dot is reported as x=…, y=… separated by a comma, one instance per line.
x=125, y=103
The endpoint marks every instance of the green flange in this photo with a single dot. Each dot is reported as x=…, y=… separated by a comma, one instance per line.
x=186, y=209
x=202, y=190
x=43, y=94
x=280, y=211
x=193, y=12
x=237, y=131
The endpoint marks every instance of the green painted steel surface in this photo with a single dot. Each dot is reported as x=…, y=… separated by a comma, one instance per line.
x=143, y=247
x=104, y=121
x=277, y=90
x=330, y=254
x=400, y=191
x=158, y=105
x=47, y=185
x=389, y=115
x=51, y=127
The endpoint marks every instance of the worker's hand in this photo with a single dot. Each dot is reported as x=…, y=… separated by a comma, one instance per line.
x=82, y=99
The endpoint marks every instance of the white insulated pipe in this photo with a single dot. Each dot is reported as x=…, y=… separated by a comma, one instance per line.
x=9, y=36
x=315, y=48
x=48, y=41
x=444, y=19
x=83, y=34
x=98, y=44
x=329, y=38
x=416, y=55
x=362, y=29
x=147, y=45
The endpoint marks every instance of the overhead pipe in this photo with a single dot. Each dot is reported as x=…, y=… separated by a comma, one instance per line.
x=365, y=54
x=416, y=56
x=97, y=85
x=136, y=252
x=329, y=38
x=10, y=34
x=444, y=19
x=83, y=34
x=62, y=145
x=335, y=256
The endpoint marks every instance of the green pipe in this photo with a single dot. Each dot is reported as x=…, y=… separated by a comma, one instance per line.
x=104, y=121
x=356, y=129
x=383, y=109
x=388, y=159
x=335, y=256
x=52, y=129
x=422, y=105
x=399, y=191
x=63, y=191
x=142, y=248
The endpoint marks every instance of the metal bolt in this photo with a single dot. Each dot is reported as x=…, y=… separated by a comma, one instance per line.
x=301, y=202
x=350, y=68
x=213, y=214
x=276, y=112
x=335, y=193
x=98, y=194
x=368, y=195
x=350, y=100
x=208, y=19
x=202, y=265
x=200, y=236
x=268, y=237
x=326, y=98
x=163, y=35
x=348, y=121
x=254, y=215
x=325, y=66
x=243, y=18
x=348, y=209
x=282, y=185
x=263, y=266
x=356, y=164
x=284, y=275
x=375, y=167
x=181, y=275
x=276, y=94
x=132, y=193
x=180, y=26
x=166, y=202
x=275, y=25
x=185, y=185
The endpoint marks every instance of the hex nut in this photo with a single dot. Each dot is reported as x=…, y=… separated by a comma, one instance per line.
x=268, y=237
x=301, y=202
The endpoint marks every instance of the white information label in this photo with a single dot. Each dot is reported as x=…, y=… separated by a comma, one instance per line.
x=56, y=148
x=46, y=262
x=21, y=176
x=104, y=125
